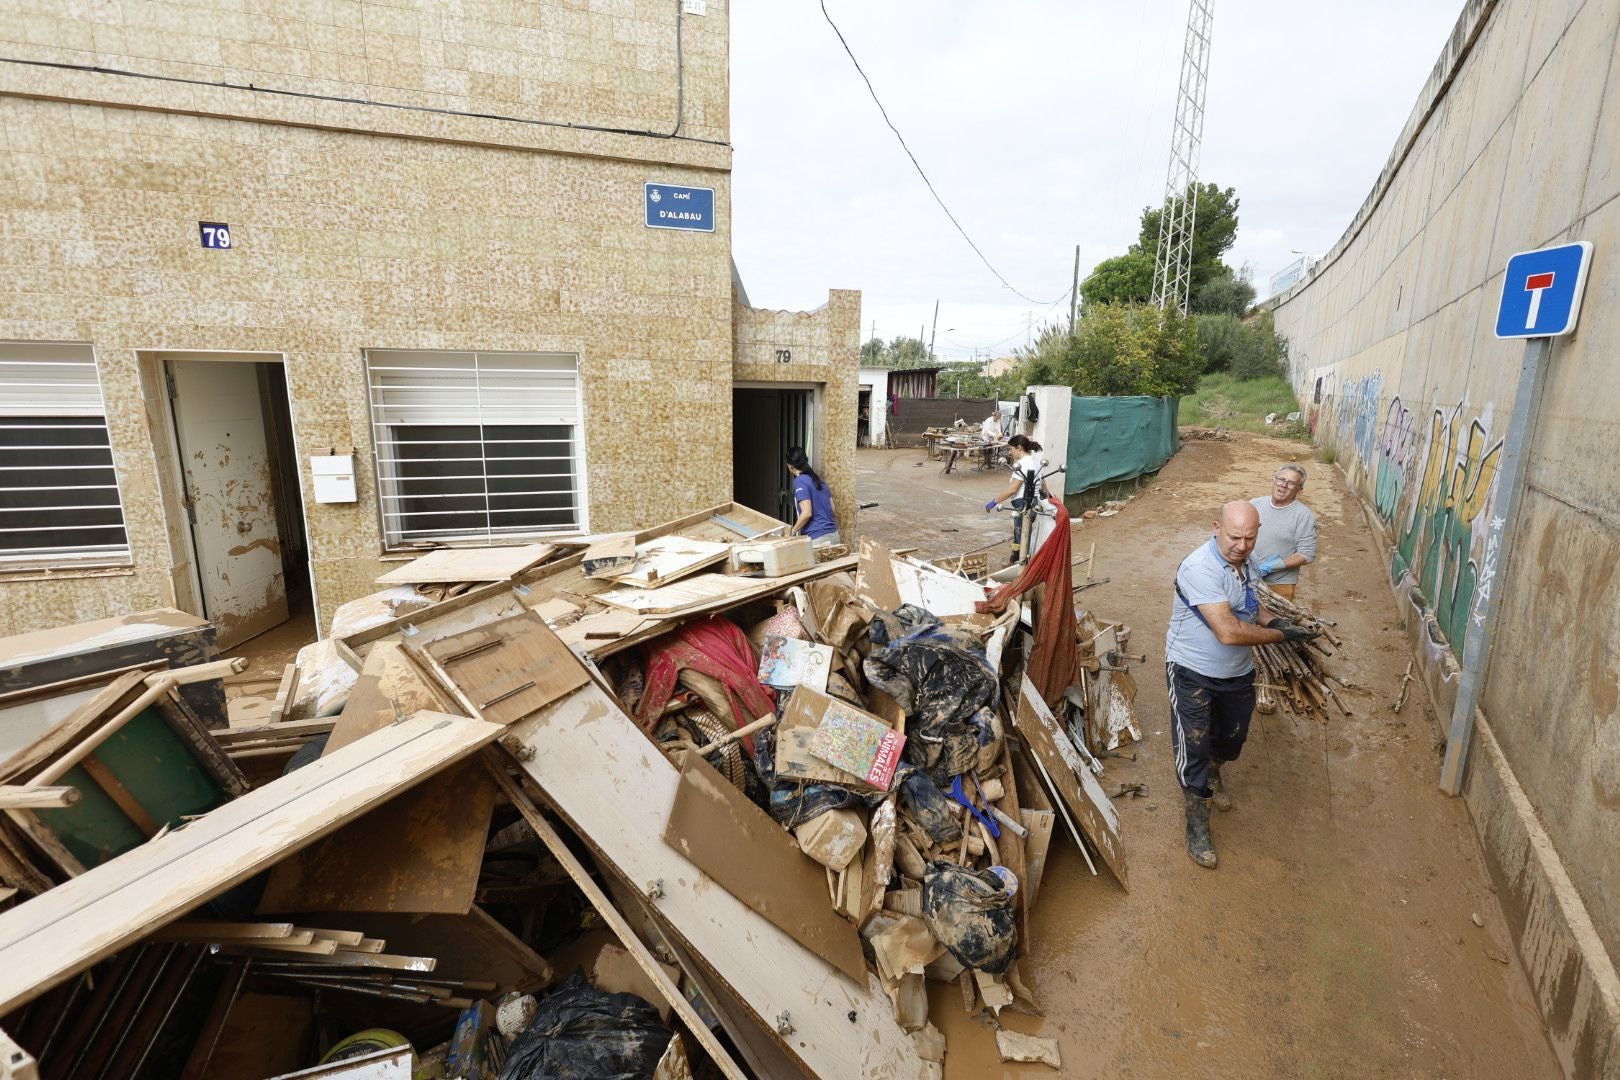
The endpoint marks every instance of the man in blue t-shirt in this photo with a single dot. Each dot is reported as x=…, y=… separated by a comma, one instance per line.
x=1215, y=620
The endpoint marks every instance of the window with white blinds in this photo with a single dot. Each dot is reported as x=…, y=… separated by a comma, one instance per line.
x=474, y=446
x=58, y=491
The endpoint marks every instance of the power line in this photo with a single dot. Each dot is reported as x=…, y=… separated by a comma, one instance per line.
x=918, y=165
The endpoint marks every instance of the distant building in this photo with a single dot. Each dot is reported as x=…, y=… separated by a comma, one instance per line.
x=999, y=367
x=1292, y=274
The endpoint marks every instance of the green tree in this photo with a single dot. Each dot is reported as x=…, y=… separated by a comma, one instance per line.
x=1215, y=224
x=1217, y=340
x=900, y=352
x=1133, y=349
x=1124, y=279
x=1225, y=293
x=1259, y=351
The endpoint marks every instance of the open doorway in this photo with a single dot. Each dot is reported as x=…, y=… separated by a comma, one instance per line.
x=765, y=422
x=239, y=491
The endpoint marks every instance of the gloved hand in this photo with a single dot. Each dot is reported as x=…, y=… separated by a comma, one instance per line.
x=1267, y=567
x=990, y=506
x=1295, y=633
x=1280, y=623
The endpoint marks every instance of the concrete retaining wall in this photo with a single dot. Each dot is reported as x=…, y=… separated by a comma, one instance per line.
x=1513, y=144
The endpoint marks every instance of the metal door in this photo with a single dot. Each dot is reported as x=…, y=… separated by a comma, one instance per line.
x=794, y=425
x=219, y=427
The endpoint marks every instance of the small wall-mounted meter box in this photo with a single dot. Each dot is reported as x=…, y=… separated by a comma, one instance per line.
x=334, y=478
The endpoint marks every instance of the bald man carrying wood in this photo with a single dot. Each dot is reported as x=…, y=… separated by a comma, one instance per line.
x=1209, y=664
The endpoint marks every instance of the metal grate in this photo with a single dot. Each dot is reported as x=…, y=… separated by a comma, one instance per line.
x=474, y=446
x=59, y=495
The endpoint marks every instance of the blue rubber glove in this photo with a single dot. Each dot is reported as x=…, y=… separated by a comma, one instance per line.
x=990, y=506
x=1270, y=566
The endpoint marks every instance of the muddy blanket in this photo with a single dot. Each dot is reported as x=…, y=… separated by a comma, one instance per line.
x=943, y=681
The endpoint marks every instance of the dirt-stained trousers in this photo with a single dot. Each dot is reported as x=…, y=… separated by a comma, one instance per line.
x=1209, y=722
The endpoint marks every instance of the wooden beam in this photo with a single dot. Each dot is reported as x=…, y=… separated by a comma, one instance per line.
x=100, y=912
x=605, y=777
x=35, y=798
x=611, y=915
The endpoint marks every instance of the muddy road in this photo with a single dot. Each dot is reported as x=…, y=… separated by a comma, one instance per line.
x=1337, y=938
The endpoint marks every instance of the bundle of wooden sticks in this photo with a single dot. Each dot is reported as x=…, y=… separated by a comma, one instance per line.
x=1291, y=672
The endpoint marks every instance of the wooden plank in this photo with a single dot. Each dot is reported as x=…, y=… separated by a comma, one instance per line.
x=874, y=577
x=29, y=824
x=506, y=670
x=379, y=961
x=284, y=693
x=616, y=790
x=204, y=930
x=1079, y=791
x=312, y=947
x=611, y=915
x=350, y=939
x=76, y=924
x=390, y=685
x=752, y=857
x=421, y=852
x=670, y=558
x=765, y=587
x=17, y=869
x=469, y=947
x=33, y=798
x=451, y=565
x=503, y=589
x=673, y=599
x=107, y=781
x=52, y=742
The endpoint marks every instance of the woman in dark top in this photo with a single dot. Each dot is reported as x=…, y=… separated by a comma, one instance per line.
x=813, y=500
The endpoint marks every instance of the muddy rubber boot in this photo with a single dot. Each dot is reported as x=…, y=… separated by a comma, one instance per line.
x=1218, y=796
x=1199, y=844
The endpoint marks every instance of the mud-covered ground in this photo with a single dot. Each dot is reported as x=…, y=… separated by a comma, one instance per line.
x=1336, y=939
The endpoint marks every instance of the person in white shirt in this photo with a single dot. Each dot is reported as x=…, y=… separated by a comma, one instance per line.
x=1026, y=488
x=991, y=428
x=1287, y=532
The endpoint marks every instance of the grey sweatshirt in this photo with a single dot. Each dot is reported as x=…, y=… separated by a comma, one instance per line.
x=1284, y=530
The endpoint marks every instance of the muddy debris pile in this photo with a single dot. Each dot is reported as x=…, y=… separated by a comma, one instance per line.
x=692, y=801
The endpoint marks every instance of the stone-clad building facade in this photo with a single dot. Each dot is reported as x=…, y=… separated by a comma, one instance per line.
x=440, y=286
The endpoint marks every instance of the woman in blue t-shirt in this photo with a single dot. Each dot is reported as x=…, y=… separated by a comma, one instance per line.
x=813, y=498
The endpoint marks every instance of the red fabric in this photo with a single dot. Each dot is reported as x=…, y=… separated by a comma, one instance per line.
x=716, y=647
x=1053, y=666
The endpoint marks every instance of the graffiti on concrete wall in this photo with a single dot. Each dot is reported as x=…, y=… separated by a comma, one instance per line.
x=1395, y=459
x=1437, y=545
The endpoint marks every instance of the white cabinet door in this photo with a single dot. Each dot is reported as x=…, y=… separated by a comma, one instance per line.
x=220, y=426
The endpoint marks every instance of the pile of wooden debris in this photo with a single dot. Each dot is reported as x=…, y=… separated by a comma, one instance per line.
x=759, y=799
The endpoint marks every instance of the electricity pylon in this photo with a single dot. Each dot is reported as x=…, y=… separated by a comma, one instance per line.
x=1172, y=267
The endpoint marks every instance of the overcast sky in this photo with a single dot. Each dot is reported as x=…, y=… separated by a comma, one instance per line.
x=1043, y=124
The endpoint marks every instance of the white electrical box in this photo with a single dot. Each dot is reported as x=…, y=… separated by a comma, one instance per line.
x=334, y=478
x=695, y=7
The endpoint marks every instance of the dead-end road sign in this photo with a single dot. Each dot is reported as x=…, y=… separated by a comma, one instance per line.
x=1541, y=296
x=1541, y=291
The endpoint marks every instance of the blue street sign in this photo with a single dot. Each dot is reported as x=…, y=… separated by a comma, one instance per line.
x=1541, y=291
x=670, y=206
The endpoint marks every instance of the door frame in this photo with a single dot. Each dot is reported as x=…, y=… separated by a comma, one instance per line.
x=818, y=409
x=154, y=371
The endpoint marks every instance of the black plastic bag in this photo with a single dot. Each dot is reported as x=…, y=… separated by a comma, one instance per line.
x=942, y=679
x=970, y=912
x=580, y=1033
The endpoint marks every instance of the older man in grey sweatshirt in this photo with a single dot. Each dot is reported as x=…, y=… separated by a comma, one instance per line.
x=1287, y=538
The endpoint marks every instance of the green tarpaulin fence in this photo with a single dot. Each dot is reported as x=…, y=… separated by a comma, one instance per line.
x=1118, y=438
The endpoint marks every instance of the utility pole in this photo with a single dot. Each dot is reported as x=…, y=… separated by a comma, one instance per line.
x=1172, y=267
x=1029, y=327
x=1074, y=291
x=932, y=333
